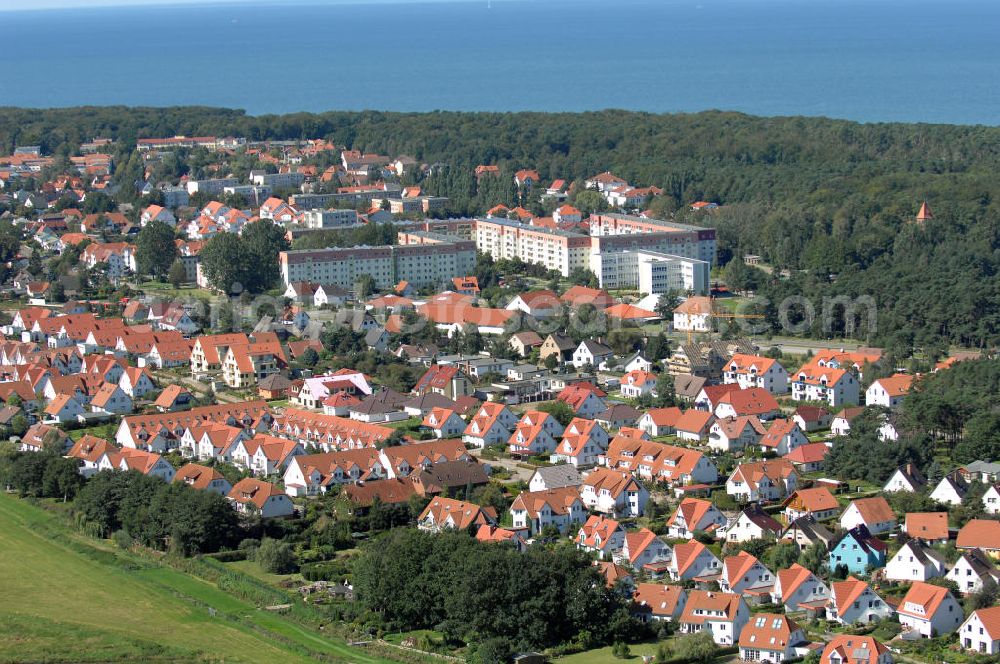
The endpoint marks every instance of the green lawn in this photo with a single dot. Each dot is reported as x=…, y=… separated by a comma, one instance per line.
x=66, y=600
x=253, y=569
x=603, y=655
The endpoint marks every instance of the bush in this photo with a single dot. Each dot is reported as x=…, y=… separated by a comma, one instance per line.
x=275, y=557
x=228, y=556
x=621, y=650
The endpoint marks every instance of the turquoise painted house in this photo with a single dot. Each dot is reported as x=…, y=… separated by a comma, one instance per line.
x=857, y=550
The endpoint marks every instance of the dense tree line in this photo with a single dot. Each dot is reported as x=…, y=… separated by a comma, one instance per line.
x=153, y=513
x=959, y=405
x=451, y=582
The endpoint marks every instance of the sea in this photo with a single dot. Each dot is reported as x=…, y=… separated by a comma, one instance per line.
x=935, y=61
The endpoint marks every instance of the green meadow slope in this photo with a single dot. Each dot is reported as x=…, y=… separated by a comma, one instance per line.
x=66, y=599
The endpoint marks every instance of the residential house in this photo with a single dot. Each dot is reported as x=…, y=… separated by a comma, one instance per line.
x=929, y=610
x=491, y=424
x=752, y=523
x=729, y=434
x=203, y=478
x=693, y=315
x=638, y=383
x=858, y=551
x=561, y=346
x=723, y=615
x=800, y=590
x=771, y=637
x=915, y=561
x=614, y=492
x=660, y=421
x=111, y=399
x=173, y=398
x=693, y=560
x=783, y=437
x=658, y=602
x=496, y=535
x=644, y=551
x=982, y=534
x=582, y=444
x=694, y=425
x=63, y=408
x=251, y=495
x=835, y=387
x=754, y=401
x=535, y=433
x=816, y=502
x=889, y=392
x=446, y=513
x=972, y=571
x=812, y=418
x=618, y=416
x=873, y=513
x=444, y=423
x=853, y=602
x=523, y=343
x=585, y=399
x=841, y=424
x=762, y=481
x=591, y=353
x=756, y=371
x=852, y=649
x=991, y=499
x=809, y=457
x=554, y=477
x=694, y=514
x=951, y=489
x=447, y=380
x=980, y=632
x=533, y=511
x=659, y=462
x=745, y=575
x=931, y=527
x=601, y=535
x=905, y=478
x=147, y=463
x=806, y=531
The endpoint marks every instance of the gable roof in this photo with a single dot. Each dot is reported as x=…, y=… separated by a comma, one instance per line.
x=925, y=595
x=927, y=525
x=979, y=534
x=874, y=510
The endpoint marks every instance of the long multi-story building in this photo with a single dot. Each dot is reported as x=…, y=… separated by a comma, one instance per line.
x=421, y=258
x=277, y=180
x=210, y=187
x=624, y=251
x=555, y=249
x=653, y=272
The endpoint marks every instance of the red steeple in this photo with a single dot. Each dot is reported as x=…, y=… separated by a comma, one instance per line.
x=925, y=212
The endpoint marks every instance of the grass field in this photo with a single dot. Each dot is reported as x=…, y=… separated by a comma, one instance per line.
x=67, y=600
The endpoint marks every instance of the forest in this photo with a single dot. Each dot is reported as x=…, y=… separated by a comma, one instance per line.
x=832, y=203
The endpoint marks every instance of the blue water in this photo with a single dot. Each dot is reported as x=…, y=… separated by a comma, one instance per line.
x=868, y=60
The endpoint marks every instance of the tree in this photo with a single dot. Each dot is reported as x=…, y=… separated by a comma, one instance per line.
x=814, y=557
x=58, y=291
x=665, y=392
x=560, y=410
x=224, y=262
x=262, y=241
x=783, y=555
x=365, y=286
x=155, y=249
x=275, y=556
x=177, y=274
x=309, y=357
x=698, y=648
